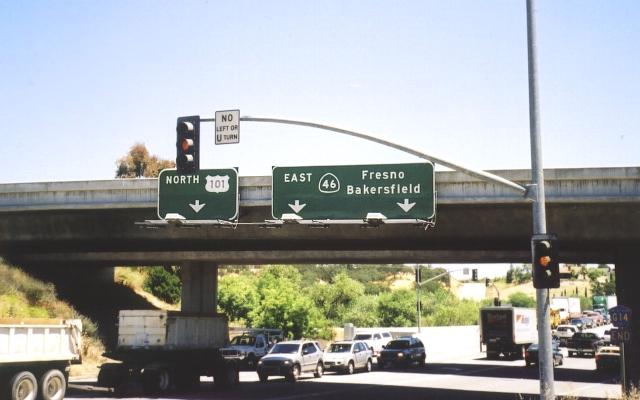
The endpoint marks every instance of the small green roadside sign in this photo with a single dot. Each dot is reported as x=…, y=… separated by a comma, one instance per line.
x=398, y=191
x=209, y=194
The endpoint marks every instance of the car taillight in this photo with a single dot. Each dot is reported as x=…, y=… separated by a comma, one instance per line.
x=526, y=354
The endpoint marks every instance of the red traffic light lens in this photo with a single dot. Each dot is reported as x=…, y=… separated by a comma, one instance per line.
x=186, y=144
x=545, y=261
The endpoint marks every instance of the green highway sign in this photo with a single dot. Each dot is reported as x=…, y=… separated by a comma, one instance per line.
x=209, y=194
x=398, y=191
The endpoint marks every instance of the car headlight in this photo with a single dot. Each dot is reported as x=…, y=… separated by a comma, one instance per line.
x=400, y=354
x=286, y=362
x=260, y=362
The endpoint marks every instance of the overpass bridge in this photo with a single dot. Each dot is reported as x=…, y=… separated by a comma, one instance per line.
x=595, y=212
x=90, y=224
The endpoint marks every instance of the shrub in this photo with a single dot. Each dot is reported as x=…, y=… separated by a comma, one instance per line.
x=164, y=283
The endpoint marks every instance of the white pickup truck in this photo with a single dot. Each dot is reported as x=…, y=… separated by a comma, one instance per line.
x=253, y=344
x=374, y=339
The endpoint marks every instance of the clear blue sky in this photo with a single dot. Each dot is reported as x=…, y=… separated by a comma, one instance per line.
x=81, y=81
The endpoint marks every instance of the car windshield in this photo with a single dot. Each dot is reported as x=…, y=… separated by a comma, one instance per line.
x=285, y=348
x=339, y=348
x=363, y=336
x=398, y=344
x=243, y=341
x=533, y=347
x=576, y=321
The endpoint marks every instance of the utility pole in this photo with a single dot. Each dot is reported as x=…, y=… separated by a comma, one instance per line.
x=547, y=391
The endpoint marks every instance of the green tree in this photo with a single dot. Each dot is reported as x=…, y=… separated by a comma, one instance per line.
x=282, y=305
x=335, y=298
x=237, y=296
x=164, y=283
x=362, y=313
x=520, y=299
x=139, y=163
x=397, y=308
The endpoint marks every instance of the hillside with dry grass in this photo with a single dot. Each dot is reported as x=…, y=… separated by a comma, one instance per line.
x=22, y=296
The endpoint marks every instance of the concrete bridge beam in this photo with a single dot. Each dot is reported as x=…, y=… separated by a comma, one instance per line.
x=199, y=287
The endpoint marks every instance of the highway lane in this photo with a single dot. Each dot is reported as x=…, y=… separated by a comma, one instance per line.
x=469, y=377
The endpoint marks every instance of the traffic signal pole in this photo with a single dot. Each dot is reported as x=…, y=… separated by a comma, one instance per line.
x=547, y=391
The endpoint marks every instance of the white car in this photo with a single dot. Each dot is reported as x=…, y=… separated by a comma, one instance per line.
x=375, y=340
x=347, y=356
x=565, y=332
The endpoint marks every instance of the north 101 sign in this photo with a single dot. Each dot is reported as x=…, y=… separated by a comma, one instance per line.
x=398, y=191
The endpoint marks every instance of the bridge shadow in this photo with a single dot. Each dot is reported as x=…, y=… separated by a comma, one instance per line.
x=492, y=370
x=316, y=389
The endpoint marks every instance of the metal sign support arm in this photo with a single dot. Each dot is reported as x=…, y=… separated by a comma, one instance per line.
x=485, y=176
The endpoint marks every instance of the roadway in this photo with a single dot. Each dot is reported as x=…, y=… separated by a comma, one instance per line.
x=469, y=377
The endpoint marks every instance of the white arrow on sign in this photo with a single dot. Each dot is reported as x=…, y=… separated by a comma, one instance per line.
x=296, y=206
x=406, y=206
x=197, y=207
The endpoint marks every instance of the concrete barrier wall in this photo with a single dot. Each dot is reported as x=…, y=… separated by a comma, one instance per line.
x=441, y=342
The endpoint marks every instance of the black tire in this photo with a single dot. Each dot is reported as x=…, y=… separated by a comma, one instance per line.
x=251, y=361
x=350, y=368
x=369, y=366
x=24, y=386
x=319, y=370
x=263, y=377
x=156, y=381
x=422, y=361
x=53, y=385
x=294, y=374
x=228, y=377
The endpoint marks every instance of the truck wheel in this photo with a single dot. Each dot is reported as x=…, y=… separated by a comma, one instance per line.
x=350, y=368
x=263, y=378
x=24, y=386
x=228, y=377
x=369, y=365
x=319, y=370
x=251, y=361
x=156, y=381
x=53, y=385
x=294, y=374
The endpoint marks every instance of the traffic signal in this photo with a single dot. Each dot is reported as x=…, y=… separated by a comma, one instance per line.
x=474, y=275
x=188, y=145
x=545, y=266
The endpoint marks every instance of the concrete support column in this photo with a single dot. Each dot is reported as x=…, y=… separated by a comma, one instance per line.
x=627, y=266
x=199, y=288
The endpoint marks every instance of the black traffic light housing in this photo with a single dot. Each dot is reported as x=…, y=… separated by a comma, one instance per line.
x=474, y=275
x=188, y=144
x=545, y=266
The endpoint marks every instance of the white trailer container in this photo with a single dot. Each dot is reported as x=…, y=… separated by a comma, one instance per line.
x=35, y=355
x=169, y=350
x=507, y=330
x=569, y=304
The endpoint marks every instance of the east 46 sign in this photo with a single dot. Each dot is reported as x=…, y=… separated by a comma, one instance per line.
x=209, y=194
x=398, y=191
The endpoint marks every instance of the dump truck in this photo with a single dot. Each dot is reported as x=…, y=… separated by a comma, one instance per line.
x=507, y=330
x=168, y=351
x=35, y=357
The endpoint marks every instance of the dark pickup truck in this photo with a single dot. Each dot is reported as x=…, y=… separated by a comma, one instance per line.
x=584, y=343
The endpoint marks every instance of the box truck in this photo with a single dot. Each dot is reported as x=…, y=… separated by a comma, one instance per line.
x=507, y=330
